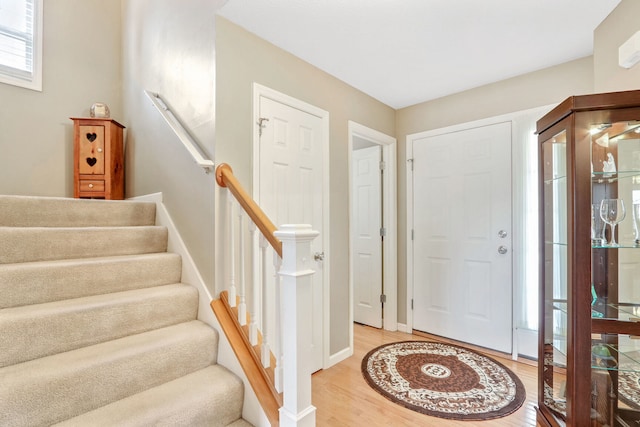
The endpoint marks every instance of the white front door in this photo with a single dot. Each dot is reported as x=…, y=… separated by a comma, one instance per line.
x=291, y=187
x=462, y=236
x=366, y=205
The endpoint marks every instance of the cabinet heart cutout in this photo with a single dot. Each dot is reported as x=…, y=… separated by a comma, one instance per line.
x=91, y=160
x=91, y=136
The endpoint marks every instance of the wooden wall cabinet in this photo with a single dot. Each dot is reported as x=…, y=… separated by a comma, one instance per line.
x=589, y=345
x=98, y=158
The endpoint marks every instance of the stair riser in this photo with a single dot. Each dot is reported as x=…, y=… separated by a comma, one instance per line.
x=40, y=282
x=23, y=211
x=46, y=244
x=56, y=388
x=210, y=397
x=96, y=328
x=68, y=325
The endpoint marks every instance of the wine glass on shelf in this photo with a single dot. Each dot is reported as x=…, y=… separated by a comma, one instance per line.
x=612, y=212
x=597, y=227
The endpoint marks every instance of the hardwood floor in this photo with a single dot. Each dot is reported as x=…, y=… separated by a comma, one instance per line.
x=343, y=398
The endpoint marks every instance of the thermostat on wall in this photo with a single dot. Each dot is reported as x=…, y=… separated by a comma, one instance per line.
x=629, y=51
x=99, y=109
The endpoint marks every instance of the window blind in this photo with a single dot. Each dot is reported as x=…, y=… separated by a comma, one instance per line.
x=19, y=41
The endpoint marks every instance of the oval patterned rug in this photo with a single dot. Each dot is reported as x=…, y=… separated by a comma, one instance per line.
x=443, y=380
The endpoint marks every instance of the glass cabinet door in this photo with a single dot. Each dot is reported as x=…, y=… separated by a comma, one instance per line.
x=615, y=287
x=589, y=343
x=554, y=152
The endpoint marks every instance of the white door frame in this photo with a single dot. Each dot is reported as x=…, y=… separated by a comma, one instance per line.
x=389, y=213
x=518, y=138
x=263, y=91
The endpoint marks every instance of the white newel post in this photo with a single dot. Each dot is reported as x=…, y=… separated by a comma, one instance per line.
x=296, y=299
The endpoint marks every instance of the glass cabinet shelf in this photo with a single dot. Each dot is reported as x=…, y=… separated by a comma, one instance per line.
x=621, y=357
x=621, y=245
x=559, y=355
x=608, y=177
x=628, y=311
x=555, y=179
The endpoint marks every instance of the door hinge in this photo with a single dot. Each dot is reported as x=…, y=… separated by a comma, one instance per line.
x=261, y=124
x=411, y=303
x=383, y=232
x=382, y=165
x=412, y=234
x=410, y=162
x=383, y=298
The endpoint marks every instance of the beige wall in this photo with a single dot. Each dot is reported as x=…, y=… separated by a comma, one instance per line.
x=621, y=24
x=169, y=48
x=243, y=59
x=112, y=51
x=544, y=87
x=597, y=73
x=81, y=66
x=91, y=47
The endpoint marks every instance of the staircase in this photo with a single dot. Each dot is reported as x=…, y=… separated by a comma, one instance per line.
x=95, y=326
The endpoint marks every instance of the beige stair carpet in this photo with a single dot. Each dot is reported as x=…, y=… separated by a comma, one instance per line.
x=96, y=328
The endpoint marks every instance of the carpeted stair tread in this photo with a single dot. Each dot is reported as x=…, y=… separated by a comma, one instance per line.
x=45, y=281
x=70, y=324
x=26, y=244
x=210, y=397
x=95, y=326
x=55, y=388
x=26, y=211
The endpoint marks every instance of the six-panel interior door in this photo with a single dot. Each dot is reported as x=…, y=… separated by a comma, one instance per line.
x=291, y=187
x=462, y=236
x=365, y=228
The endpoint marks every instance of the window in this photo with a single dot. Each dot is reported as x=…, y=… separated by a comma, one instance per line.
x=21, y=43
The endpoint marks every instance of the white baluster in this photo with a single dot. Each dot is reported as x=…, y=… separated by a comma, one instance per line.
x=232, y=293
x=265, y=350
x=277, y=305
x=297, y=297
x=242, y=307
x=255, y=288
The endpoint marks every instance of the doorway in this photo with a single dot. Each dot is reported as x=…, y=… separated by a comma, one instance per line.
x=524, y=220
x=291, y=146
x=372, y=228
x=462, y=236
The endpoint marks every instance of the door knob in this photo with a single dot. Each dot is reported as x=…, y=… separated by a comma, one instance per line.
x=502, y=250
x=318, y=256
x=502, y=234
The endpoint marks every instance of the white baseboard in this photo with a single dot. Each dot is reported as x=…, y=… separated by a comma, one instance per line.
x=340, y=356
x=402, y=327
x=527, y=343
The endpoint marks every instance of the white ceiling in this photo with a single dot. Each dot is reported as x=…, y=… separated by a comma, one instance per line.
x=403, y=52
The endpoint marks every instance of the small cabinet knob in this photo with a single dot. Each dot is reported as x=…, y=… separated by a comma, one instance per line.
x=99, y=150
x=90, y=185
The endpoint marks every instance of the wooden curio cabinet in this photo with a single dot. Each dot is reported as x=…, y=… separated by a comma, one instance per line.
x=98, y=157
x=589, y=347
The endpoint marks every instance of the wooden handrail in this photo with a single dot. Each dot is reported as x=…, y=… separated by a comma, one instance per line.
x=258, y=377
x=226, y=178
